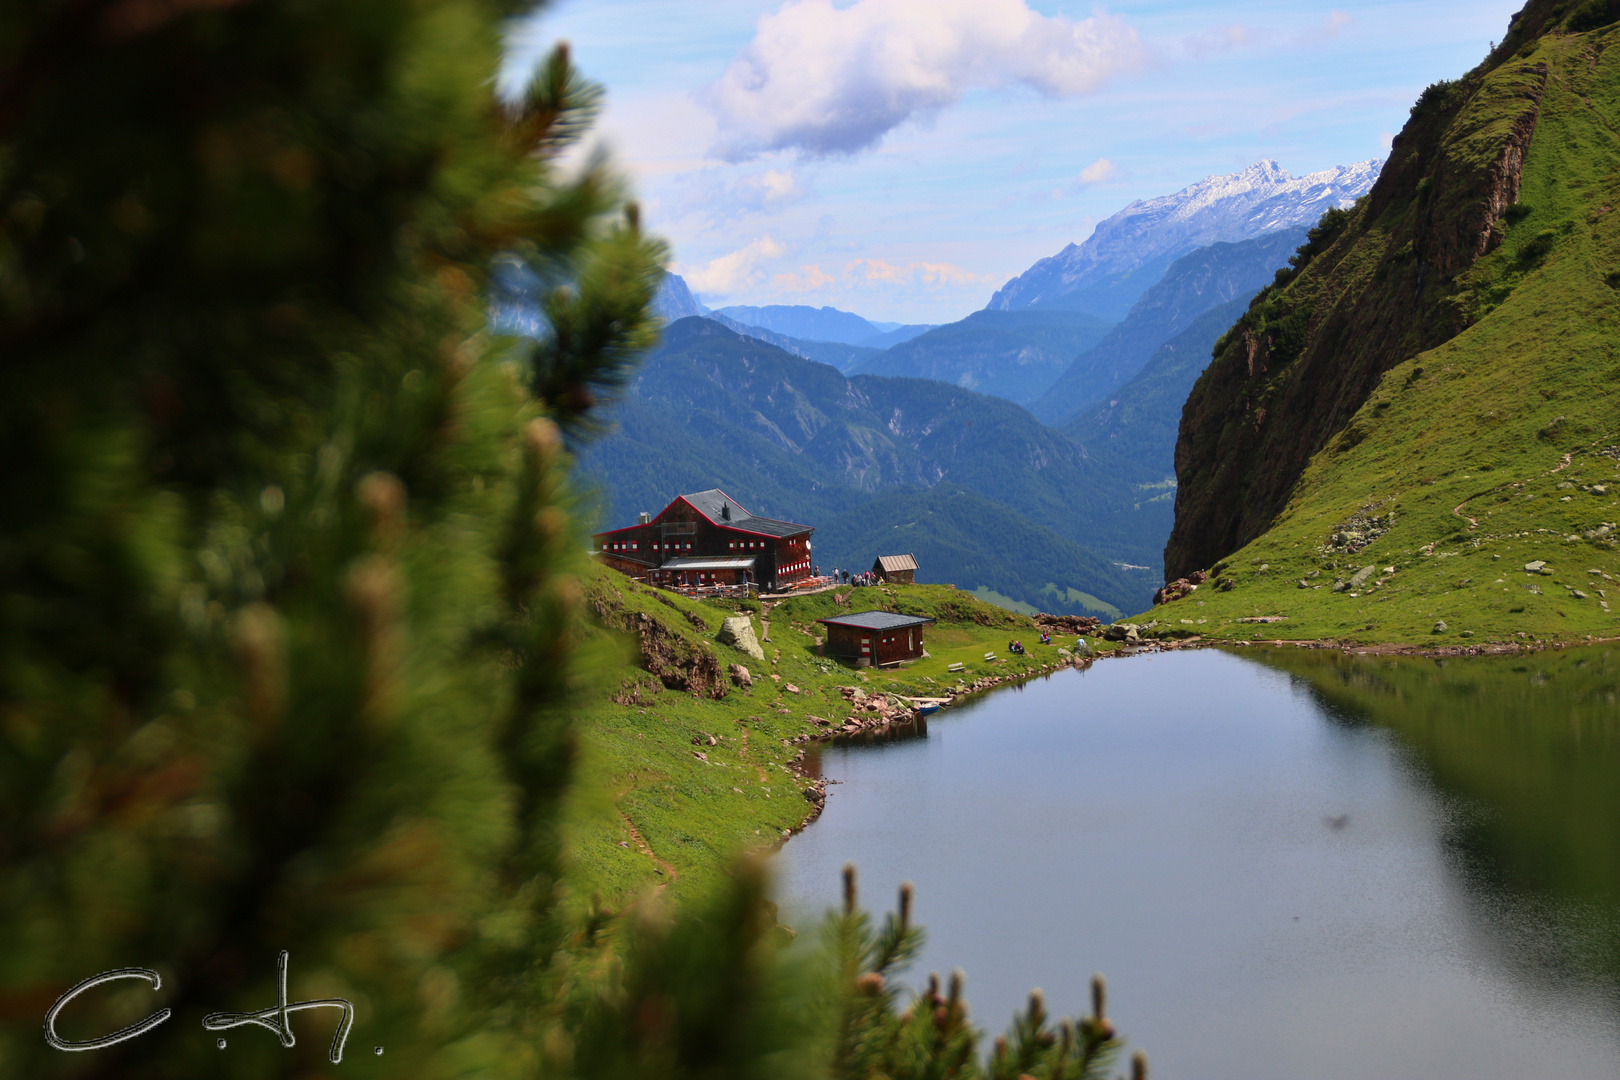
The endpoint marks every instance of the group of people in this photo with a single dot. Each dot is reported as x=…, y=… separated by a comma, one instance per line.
x=846, y=578
x=1017, y=647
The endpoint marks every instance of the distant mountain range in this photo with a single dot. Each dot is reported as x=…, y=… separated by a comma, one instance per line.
x=820, y=324
x=1206, y=278
x=862, y=458
x=1011, y=354
x=1129, y=252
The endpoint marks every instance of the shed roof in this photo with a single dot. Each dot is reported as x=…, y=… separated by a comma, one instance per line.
x=890, y=563
x=698, y=563
x=876, y=620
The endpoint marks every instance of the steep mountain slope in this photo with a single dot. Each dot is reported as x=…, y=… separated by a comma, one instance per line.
x=1011, y=354
x=1128, y=252
x=805, y=322
x=1429, y=407
x=675, y=300
x=796, y=439
x=1141, y=418
x=1205, y=278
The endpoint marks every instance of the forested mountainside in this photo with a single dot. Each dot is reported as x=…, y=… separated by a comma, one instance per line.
x=1011, y=354
x=1432, y=392
x=1141, y=418
x=1205, y=278
x=796, y=439
x=1129, y=252
x=839, y=355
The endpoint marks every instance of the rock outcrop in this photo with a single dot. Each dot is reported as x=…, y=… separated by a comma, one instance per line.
x=738, y=632
x=1375, y=286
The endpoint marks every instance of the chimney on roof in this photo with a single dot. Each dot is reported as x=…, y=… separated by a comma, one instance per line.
x=725, y=511
x=644, y=518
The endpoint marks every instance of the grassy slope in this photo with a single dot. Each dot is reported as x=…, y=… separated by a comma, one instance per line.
x=639, y=766
x=1484, y=422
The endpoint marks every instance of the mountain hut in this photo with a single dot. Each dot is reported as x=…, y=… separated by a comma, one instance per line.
x=708, y=539
x=896, y=569
x=874, y=638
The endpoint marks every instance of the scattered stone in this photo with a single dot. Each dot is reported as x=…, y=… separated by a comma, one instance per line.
x=1577, y=594
x=819, y=721
x=1441, y=627
x=1360, y=531
x=1598, y=489
x=738, y=632
x=1073, y=624
x=1467, y=633
x=700, y=755
x=1175, y=590
x=775, y=677
x=790, y=688
x=740, y=676
x=1535, y=567
x=1264, y=619
x=1361, y=577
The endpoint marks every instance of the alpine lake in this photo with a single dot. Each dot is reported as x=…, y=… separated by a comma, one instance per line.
x=1291, y=864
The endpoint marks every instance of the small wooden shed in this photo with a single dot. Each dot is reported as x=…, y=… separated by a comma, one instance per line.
x=875, y=638
x=896, y=569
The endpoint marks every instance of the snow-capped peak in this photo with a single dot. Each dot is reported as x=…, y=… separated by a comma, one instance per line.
x=1149, y=234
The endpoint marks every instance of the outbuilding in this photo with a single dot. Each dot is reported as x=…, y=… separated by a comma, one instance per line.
x=874, y=638
x=896, y=569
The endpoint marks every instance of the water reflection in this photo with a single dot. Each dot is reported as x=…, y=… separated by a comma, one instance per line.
x=1527, y=750
x=1291, y=864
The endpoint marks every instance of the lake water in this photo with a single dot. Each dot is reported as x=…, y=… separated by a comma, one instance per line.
x=1291, y=865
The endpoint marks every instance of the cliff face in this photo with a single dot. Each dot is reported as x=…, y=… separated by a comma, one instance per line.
x=1376, y=286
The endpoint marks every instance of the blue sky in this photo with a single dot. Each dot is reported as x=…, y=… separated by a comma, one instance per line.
x=903, y=158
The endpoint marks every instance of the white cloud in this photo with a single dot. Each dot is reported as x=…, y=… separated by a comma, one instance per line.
x=735, y=271
x=926, y=273
x=1327, y=31
x=1098, y=171
x=826, y=80
x=808, y=278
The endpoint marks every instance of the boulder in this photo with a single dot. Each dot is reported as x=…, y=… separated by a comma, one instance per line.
x=740, y=676
x=1441, y=627
x=1122, y=632
x=1082, y=648
x=738, y=632
x=1361, y=577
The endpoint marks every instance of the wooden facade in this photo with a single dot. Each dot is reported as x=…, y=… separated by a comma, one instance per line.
x=703, y=527
x=896, y=569
x=874, y=638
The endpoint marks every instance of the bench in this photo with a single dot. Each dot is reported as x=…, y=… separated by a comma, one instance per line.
x=989, y=656
x=958, y=666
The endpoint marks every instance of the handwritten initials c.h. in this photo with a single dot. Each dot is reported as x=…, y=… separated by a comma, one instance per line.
x=116, y=1037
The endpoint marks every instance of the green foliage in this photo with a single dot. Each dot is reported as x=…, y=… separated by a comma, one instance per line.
x=1436, y=96
x=1593, y=14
